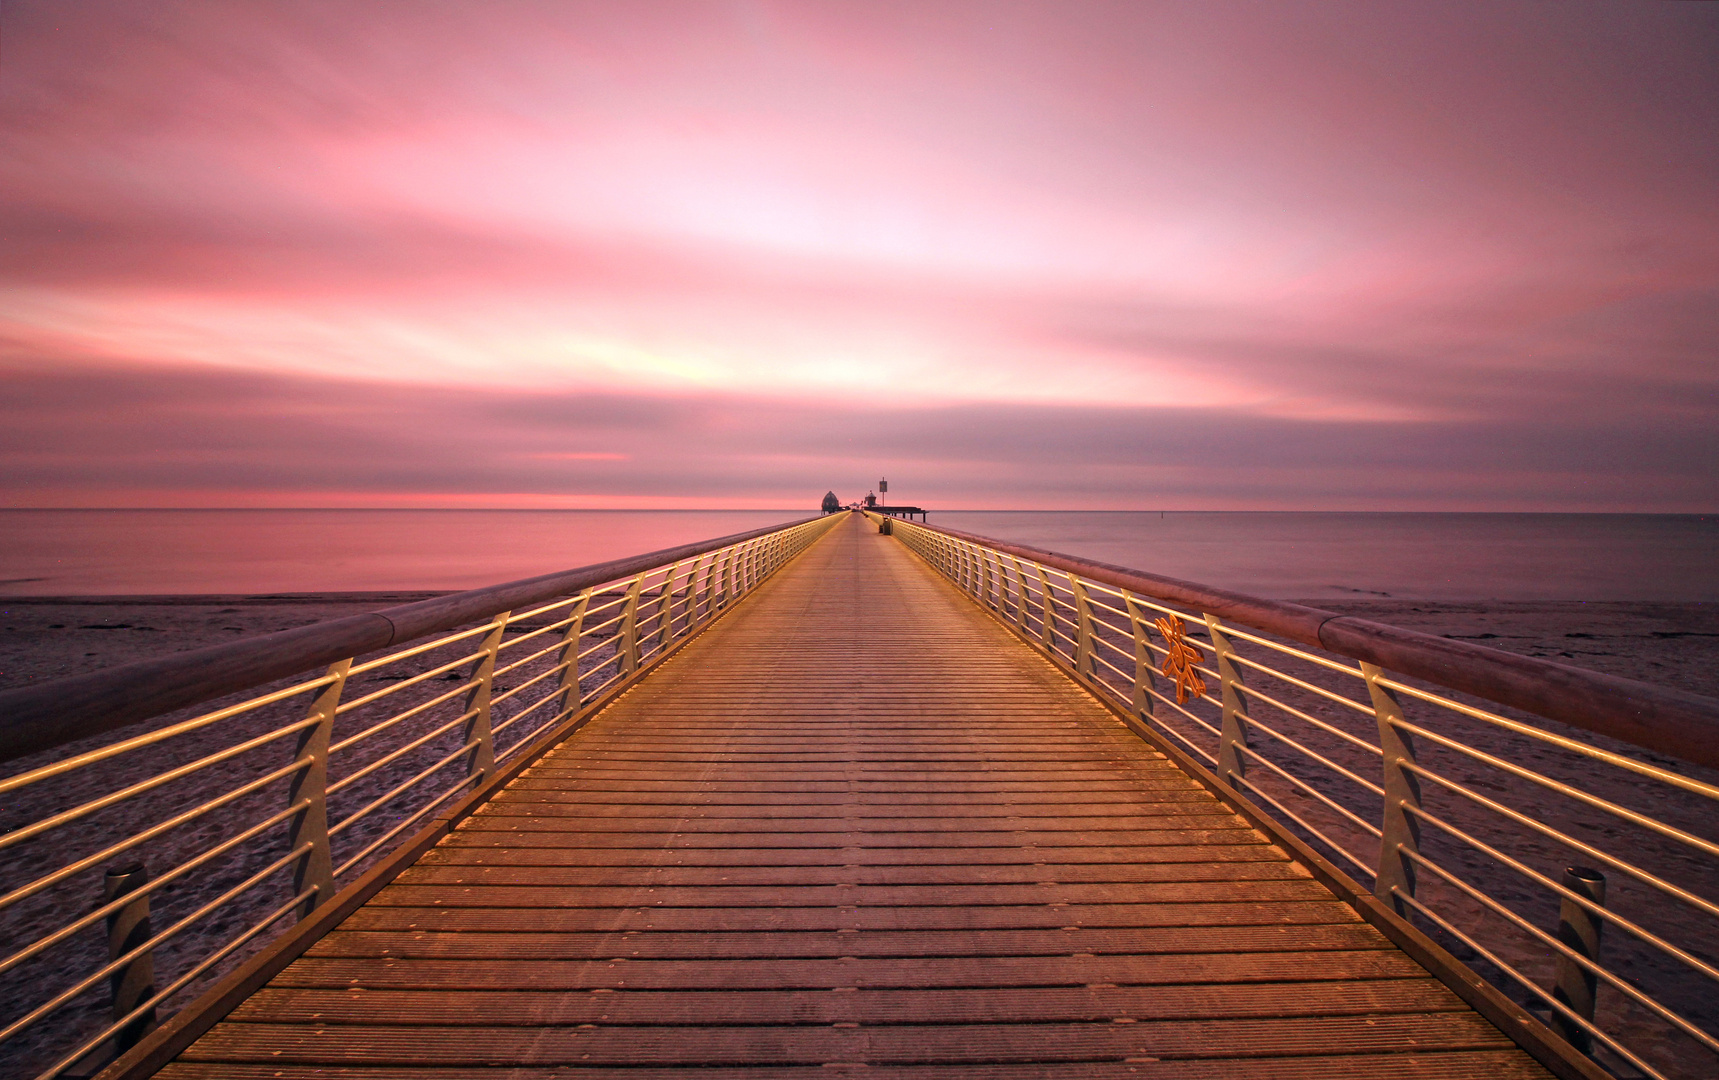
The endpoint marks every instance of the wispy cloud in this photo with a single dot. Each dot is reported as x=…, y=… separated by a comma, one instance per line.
x=1086, y=255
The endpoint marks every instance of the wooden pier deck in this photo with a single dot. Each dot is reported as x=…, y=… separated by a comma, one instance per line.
x=855, y=825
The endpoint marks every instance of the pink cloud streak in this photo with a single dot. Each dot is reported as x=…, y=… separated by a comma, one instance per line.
x=1440, y=218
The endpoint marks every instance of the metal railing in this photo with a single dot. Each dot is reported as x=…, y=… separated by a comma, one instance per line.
x=1571, y=869
x=235, y=823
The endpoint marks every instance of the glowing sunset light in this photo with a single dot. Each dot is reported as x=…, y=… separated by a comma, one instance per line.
x=1385, y=255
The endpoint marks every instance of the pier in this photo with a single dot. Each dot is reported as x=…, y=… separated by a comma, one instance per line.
x=766, y=863
x=829, y=798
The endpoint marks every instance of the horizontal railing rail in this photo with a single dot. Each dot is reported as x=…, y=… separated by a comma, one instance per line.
x=49, y=714
x=1426, y=771
x=135, y=871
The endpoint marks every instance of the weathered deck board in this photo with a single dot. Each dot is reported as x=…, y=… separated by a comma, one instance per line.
x=856, y=823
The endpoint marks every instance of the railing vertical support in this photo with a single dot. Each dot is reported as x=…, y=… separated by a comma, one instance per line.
x=1232, y=738
x=479, y=733
x=706, y=595
x=1579, y=929
x=984, y=579
x=665, y=617
x=1082, y=629
x=1401, y=828
x=127, y=928
x=627, y=640
x=1047, y=611
x=1020, y=595
x=315, y=868
x=570, y=691
x=1143, y=669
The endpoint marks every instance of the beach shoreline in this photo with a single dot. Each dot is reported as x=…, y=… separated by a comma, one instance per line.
x=43, y=638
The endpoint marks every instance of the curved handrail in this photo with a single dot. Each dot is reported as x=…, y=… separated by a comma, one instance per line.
x=1668, y=721
x=49, y=714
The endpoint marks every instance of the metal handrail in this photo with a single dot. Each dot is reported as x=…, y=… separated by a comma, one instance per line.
x=290, y=794
x=46, y=715
x=1657, y=718
x=1277, y=726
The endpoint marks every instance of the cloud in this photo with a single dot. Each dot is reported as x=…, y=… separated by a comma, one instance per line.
x=86, y=437
x=1093, y=254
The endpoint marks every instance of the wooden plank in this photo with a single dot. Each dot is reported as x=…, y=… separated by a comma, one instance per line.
x=1009, y=1005
x=407, y=939
x=557, y=833
x=1238, y=911
x=1438, y=1065
x=792, y=896
x=468, y=1045
x=622, y=972
x=754, y=864
x=501, y=853
x=1014, y=874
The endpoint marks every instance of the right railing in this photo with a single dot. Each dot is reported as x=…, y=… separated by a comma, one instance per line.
x=1553, y=828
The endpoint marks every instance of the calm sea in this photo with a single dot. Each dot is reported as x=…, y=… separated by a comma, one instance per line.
x=1289, y=555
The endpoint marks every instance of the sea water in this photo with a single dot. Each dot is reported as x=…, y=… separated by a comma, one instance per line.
x=1285, y=555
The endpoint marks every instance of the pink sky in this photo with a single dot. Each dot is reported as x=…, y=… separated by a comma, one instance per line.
x=1132, y=255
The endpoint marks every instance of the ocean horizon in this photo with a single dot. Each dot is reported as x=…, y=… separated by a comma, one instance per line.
x=1440, y=556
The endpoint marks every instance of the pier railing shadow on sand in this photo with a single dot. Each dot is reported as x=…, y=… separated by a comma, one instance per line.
x=1551, y=828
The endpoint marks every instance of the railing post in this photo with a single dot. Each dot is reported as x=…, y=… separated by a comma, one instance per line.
x=984, y=578
x=315, y=868
x=627, y=640
x=1020, y=595
x=1082, y=628
x=1401, y=829
x=1232, y=739
x=1579, y=929
x=479, y=735
x=701, y=596
x=1143, y=667
x=570, y=692
x=665, y=617
x=1047, y=613
x=127, y=928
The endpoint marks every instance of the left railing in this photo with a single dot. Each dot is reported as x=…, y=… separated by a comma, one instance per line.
x=137, y=869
